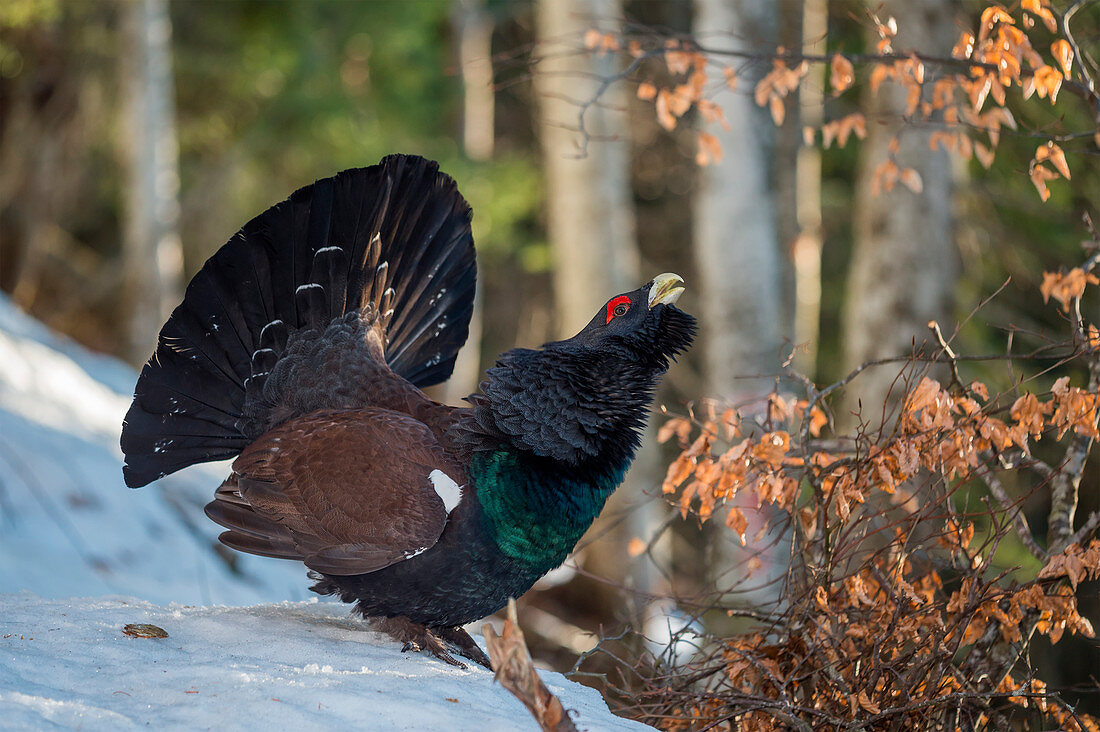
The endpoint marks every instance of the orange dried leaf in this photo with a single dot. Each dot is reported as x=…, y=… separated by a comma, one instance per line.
x=879, y=75
x=964, y=46
x=1066, y=287
x=980, y=389
x=843, y=74
x=646, y=90
x=592, y=38
x=778, y=109
x=731, y=77
x=678, y=62
x=677, y=473
x=1039, y=175
x=867, y=704
x=817, y=421
x=1048, y=80
x=664, y=117
x=736, y=520
x=679, y=102
x=1063, y=54
x=674, y=426
x=911, y=179
x=635, y=547
x=983, y=154
x=1054, y=154
x=979, y=90
x=710, y=149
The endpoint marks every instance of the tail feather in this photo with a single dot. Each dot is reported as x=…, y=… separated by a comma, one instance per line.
x=394, y=236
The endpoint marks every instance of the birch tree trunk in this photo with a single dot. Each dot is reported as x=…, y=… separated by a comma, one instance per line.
x=590, y=216
x=474, y=31
x=153, y=256
x=740, y=266
x=590, y=221
x=806, y=252
x=905, y=263
x=736, y=247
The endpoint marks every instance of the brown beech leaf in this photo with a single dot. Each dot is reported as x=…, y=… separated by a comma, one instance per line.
x=1048, y=80
x=1063, y=54
x=731, y=77
x=677, y=473
x=1054, y=154
x=678, y=61
x=964, y=47
x=635, y=547
x=665, y=117
x=674, y=426
x=592, y=38
x=710, y=149
x=144, y=630
x=817, y=421
x=777, y=109
x=911, y=179
x=1064, y=287
x=1039, y=175
x=646, y=90
x=878, y=75
x=736, y=520
x=983, y=154
x=843, y=74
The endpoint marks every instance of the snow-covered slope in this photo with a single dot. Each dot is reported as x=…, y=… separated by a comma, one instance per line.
x=295, y=666
x=68, y=524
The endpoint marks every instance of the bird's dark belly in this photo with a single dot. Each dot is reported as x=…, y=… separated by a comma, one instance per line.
x=461, y=579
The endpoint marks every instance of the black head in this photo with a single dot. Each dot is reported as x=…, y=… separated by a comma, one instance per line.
x=584, y=400
x=643, y=326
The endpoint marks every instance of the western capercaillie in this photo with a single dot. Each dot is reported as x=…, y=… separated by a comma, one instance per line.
x=300, y=348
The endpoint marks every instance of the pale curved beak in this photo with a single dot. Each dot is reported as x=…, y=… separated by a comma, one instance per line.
x=665, y=289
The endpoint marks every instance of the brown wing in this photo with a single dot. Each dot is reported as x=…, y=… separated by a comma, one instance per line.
x=346, y=492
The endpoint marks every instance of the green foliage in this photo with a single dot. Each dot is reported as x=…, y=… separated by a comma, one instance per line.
x=284, y=93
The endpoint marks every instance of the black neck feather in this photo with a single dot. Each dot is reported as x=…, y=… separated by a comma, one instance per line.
x=579, y=407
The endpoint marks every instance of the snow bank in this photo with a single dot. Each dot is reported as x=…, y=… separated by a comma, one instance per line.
x=69, y=526
x=67, y=664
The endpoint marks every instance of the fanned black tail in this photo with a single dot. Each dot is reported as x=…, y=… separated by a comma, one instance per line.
x=394, y=237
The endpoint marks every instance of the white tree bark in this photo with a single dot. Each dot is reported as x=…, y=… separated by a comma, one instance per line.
x=736, y=250
x=475, y=57
x=153, y=255
x=806, y=252
x=740, y=267
x=590, y=215
x=474, y=31
x=905, y=263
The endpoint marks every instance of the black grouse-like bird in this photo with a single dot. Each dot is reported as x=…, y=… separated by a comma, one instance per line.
x=300, y=349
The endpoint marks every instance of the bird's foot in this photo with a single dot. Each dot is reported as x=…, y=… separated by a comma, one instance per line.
x=461, y=642
x=415, y=637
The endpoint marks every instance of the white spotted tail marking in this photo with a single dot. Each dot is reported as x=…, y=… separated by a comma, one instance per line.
x=446, y=488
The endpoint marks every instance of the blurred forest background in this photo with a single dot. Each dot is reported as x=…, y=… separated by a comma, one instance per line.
x=136, y=137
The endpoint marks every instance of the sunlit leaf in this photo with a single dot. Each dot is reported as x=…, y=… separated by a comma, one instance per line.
x=842, y=74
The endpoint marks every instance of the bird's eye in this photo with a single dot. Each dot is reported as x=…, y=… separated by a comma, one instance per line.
x=618, y=306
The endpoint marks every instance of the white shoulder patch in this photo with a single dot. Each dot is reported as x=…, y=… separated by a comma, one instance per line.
x=448, y=490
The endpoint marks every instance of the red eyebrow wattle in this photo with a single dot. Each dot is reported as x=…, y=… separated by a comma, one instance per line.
x=615, y=302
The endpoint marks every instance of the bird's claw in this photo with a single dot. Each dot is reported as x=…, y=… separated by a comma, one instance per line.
x=415, y=637
x=461, y=642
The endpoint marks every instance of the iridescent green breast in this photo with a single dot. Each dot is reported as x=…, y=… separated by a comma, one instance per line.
x=537, y=515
